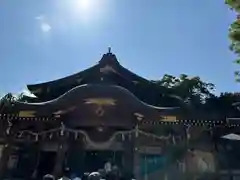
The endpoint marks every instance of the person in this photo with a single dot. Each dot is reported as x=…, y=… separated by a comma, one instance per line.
x=115, y=169
x=66, y=174
x=85, y=176
x=108, y=167
x=48, y=177
x=75, y=177
x=94, y=176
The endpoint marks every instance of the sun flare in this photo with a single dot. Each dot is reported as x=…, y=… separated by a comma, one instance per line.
x=83, y=5
x=87, y=10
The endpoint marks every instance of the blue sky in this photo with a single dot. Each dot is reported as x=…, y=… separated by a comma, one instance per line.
x=44, y=40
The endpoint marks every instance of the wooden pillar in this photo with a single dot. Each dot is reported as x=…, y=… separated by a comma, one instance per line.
x=61, y=152
x=37, y=148
x=128, y=154
x=136, y=151
x=132, y=154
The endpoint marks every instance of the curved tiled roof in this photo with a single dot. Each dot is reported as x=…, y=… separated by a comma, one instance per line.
x=73, y=93
x=107, y=64
x=80, y=98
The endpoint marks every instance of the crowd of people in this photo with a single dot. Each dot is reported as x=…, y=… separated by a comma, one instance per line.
x=109, y=172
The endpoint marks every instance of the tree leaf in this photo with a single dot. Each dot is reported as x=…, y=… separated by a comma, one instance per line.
x=237, y=61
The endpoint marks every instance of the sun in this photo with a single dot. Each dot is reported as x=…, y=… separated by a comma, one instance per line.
x=83, y=5
x=86, y=10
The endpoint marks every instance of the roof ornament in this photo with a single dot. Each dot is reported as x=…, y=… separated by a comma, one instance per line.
x=109, y=50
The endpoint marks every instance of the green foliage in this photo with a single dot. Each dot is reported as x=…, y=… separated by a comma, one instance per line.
x=191, y=89
x=237, y=74
x=234, y=33
x=199, y=94
x=234, y=4
x=223, y=104
x=8, y=100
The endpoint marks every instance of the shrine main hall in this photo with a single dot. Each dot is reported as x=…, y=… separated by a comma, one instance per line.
x=107, y=112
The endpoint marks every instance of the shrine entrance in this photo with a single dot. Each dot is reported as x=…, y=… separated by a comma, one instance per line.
x=95, y=160
x=46, y=162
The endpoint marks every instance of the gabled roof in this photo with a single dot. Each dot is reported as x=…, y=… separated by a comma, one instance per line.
x=86, y=103
x=108, y=64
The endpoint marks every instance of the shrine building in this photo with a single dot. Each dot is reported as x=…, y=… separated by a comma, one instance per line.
x=106, y=112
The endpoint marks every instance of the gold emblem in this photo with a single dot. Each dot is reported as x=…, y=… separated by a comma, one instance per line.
x=169, y=118
x=64, y=111
x=100, y=102
x=100, y=111
x=107, y=69
x=26, y=113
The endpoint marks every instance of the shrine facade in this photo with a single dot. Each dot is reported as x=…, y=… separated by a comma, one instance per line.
x=107, y=112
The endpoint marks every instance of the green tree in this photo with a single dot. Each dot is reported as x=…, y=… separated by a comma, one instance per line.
x=225, y=104
x=8, y=100
x=234, y=32
x=192, y=90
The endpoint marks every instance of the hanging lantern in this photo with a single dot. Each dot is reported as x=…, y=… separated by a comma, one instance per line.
x=50, y=136
x=62, y=129
x=9, y=127
x=36, y=137
x=173, y=139
x=8, y=130
x=20, y=135
x=123, y=137
x=75, y=135
x=136, y=133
